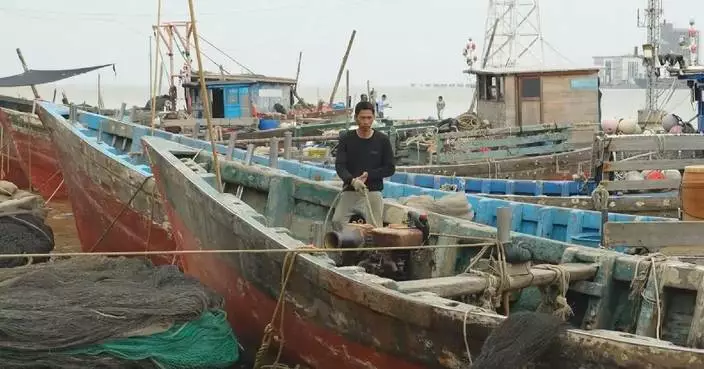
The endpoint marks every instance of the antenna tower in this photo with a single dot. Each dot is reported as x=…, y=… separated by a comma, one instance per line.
x=517, y=35
x=652, y=21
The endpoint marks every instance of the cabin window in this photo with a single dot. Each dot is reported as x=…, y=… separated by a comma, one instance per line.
x=490, y=87
x=530, y=88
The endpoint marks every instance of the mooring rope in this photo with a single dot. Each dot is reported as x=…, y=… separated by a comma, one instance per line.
x=122, y=211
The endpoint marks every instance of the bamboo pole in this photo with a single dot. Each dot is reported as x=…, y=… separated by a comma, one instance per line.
x=204, y=96
x=26, y=69
x=342, y=66
x=156, y=66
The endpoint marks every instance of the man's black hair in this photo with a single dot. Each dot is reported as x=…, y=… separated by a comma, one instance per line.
x=363, y=105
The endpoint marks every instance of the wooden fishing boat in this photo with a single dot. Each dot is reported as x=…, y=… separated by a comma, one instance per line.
x=34, y=151
x=357, y=316
x=111, y=190
x=555, y=166
x=111, y=168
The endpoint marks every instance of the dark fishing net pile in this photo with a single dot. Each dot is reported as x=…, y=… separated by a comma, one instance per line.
x=521, y=339
x=22, y=228
x=94, y=312
x=24, y=234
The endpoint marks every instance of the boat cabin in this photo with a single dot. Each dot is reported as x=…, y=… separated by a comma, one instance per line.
x=237, y=99
x=515, y=97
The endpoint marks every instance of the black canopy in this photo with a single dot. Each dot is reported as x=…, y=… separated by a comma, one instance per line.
x=38, y=77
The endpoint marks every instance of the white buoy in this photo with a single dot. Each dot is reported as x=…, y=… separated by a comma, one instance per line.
x=634, y=175
x=673, y=174
x=629, y=127
x=668, y=122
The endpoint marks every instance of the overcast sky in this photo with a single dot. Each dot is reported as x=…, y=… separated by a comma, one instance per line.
x=398, y=41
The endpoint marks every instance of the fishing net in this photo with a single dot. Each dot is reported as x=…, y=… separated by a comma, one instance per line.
x=522, y=338
x=110, y=313
x=455, y=205
x=22, y=228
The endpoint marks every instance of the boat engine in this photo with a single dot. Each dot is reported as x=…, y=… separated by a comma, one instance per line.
x=384, y=263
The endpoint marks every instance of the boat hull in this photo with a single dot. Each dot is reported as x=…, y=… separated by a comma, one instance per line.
x=340, y=316
x=560, y=166
x=114, y=205
x=10, y=163
x=35, y=152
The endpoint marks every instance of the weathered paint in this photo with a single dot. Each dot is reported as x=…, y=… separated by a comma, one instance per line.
x=11, y=168
x=36, y=152
x=343, y=317
x=101, y=186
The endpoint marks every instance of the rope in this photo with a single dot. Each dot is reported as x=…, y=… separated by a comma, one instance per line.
x=279, y=311
x=55, y=191
x=558, y=304
x=600, y=198
x=640, y=280
x=122, y=211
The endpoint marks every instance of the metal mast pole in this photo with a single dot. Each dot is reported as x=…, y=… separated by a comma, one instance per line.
x=653, y=16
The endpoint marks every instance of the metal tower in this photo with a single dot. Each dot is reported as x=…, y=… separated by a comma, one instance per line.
x=515, y=27
x=652, y=21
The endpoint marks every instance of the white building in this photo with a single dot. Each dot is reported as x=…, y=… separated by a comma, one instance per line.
x=621, y=70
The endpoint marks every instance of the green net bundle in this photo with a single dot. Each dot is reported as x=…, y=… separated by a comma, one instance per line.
x=110, y=313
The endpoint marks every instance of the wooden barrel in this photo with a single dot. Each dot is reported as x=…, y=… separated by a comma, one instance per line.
x=692, y=193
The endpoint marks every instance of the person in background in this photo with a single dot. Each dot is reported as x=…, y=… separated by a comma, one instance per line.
x=364, y=158
x=441, y=107
x=381, y=105
x=363, y=98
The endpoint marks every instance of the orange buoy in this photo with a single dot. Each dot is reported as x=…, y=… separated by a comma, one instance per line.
x=692, y=193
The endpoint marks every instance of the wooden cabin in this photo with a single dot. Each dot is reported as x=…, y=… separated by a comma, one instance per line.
x=515, y=97
x=236, y=99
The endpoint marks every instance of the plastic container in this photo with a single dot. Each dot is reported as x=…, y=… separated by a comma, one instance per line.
x=265, y=124
x=587, y=239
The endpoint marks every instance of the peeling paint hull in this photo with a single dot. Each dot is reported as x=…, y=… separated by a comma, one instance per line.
x=113, y=205
x=10, y=165
x=36, y=154
x=338, y=319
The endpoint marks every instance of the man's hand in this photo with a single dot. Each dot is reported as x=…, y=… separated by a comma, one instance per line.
x=359, y=183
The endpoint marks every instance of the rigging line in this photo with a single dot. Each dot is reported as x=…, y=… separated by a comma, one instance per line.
x=226, y=54
x=548, y=44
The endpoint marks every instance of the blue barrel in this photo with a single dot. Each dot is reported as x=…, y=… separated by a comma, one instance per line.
x=265, y=124
x=338, y=106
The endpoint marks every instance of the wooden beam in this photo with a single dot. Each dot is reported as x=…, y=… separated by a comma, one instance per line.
x=535, y=128
x=658, y=143
x=642, y=185
x=654, y=235
x=468, y=284
x=626, y=165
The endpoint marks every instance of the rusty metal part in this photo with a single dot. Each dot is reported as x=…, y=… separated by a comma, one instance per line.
x=392, y=236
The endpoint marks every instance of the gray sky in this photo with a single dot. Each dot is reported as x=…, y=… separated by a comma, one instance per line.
x=398, y=41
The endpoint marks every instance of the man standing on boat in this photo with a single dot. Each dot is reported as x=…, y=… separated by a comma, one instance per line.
x=364, y=158
x=381, y=105
x=441, y=107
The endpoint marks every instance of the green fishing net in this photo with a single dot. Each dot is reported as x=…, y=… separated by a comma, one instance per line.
x=207, y=342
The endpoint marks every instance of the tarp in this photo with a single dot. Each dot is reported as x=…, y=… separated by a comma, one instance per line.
x=38, y=77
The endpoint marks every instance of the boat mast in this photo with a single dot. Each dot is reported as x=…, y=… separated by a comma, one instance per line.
x=652, y=23
x=176, y=37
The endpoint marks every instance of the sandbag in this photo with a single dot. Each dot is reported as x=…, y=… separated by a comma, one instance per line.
x=453, y=204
